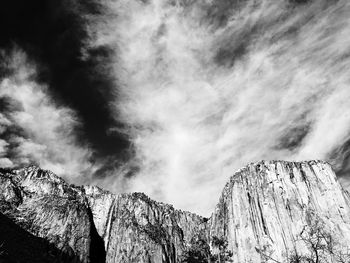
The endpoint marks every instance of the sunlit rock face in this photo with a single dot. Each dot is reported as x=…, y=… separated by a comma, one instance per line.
x=87, y=224
x=265, y=206
x=47, y=207
x=137, y=229
x=263, y=209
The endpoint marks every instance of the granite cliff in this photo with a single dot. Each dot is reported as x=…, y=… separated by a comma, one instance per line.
x=262, y=210
x=265, y=207
x=87, y=224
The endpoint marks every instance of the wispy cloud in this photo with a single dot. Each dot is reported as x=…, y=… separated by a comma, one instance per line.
x=203, y=87
x=208, y=87
x=36, y=129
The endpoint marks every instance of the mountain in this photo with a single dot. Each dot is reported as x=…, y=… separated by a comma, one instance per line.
x=261, y=214
x=265, y=206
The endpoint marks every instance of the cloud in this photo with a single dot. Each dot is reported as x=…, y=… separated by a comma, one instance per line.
x=36, y=129
x=208, y=87
x=202, y=87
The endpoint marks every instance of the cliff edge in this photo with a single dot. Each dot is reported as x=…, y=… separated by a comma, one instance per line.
x=261, y=213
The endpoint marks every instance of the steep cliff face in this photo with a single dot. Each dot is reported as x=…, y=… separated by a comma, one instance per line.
x=265, y=206
x=137, y=229
x=87, y=224
x=262, y=211
x=45, y=206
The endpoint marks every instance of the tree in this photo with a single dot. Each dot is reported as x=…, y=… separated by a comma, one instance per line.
x=224, y=254
x=317, y=239
x=199, y=251
x=321, y=243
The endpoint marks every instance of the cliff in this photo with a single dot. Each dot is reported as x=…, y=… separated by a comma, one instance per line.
x=87, y=224
x=262, y=211
x=265, y=206
x=137, y=229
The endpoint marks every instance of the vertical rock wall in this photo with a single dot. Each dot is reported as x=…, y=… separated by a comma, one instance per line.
x=262, y=211
x=138, y=229
x=79, y=220
x=265, y=206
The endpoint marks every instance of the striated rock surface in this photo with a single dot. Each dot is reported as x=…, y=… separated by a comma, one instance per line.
x=137, y=229
x=87, y=224
x=47, y=207
x=265, y=206
x=263, y=209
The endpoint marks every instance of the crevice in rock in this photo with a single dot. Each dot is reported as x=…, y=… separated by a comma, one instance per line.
x=263, y=219
x=97, y=248
x=165, y=254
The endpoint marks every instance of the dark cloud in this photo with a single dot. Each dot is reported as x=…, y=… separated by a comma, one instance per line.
x=300, y=1
x=293, y=138
x=10, y=131
x=219, y=12
x=8, y=104
x=54, y=35
x=233, y=49
x=340, y=159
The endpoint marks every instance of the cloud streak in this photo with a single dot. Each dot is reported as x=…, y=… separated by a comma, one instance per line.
x=199, y=88
x=34, y=128
x=208, y=87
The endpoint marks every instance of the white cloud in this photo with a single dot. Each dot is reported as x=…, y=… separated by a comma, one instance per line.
x=193, y=122
x=199, y=100
x=48, y=128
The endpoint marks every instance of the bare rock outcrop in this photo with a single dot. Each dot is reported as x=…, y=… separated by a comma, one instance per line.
x=88, y=224
x=265, y=206
x=262, y=211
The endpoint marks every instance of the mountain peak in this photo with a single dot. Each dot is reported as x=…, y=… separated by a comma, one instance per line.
x=263, y=207
x=35, y=172
x=268, y=203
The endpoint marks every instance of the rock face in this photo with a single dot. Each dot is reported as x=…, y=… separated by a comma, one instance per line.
x=265, y=206
x=137, y=229
x=87, y=224
x=262, y=210
x=45, y=206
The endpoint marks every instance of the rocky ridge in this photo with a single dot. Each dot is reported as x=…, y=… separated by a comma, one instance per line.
x=263, y=207
x=87, y=224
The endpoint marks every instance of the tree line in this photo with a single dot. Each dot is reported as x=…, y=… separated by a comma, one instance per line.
x=321, y=246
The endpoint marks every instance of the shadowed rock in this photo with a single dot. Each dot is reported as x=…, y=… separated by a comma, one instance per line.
x=264, y=206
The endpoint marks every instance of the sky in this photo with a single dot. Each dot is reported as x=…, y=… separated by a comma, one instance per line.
x=171, y=97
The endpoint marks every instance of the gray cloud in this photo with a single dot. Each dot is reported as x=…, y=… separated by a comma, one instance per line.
x=35, y=129
x=208, y=87
x=203, y=88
